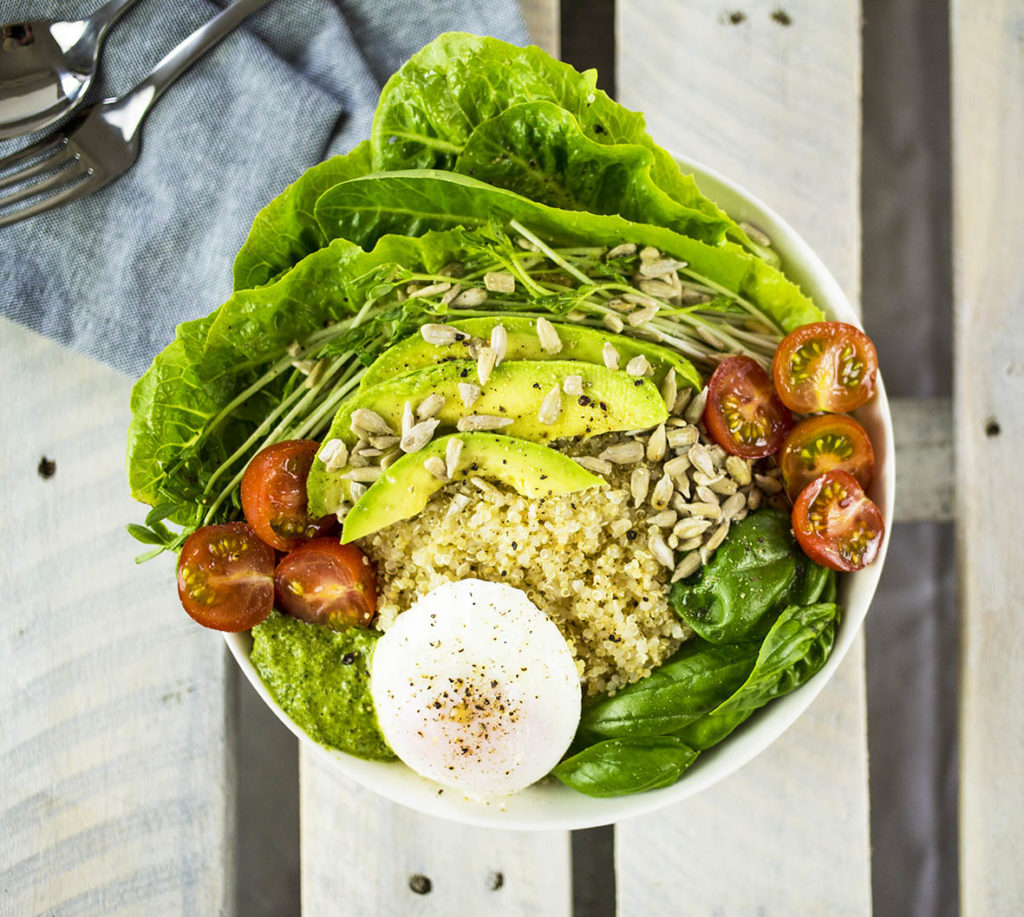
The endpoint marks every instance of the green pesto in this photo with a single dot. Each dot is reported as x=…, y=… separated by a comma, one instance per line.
x=321, y=679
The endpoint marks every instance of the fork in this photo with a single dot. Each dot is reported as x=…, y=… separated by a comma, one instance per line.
x=103, y=142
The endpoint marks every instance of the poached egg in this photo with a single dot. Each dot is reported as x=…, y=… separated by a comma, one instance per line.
x=476, y=688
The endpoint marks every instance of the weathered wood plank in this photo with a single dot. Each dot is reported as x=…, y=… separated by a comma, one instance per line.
x=115, y=709
x=542, y=23
x=771, y=100
x=988, y=223
x=923, y=429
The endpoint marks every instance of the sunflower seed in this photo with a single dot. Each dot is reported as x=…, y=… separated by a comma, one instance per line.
x=683, y=437
x=383, y=442
x=638, y=366
x=435, y=465
x=691, y=543
x=662, y=492
x=356, y=490
x=573, y=385
x=638, y=299
x=499, y=343
x=717, y=537
x=628, y=453
x=431, y=290
x=619, y=527
x=419, y=435
x=551, y=406
x=689, y=565
x=472, y=422
x=643, y=314
x=334, y=454
x=706, y=494
x=611, y=355
x=649, y=253
x=673, y=542
x=365, y=475
x=429, y=406
x=756, y=235
x=696, y=406
x=452, y=454
x=663, y=520
x=663, y=554
x=623, y=250
x=741, y=515
x=661, y=267
x=440, y=335
x=639, y=483
x=677, y=466
x=316, y=374
x=357, y=460
x=754, y=499
x=619, y=305
x=482, y=485
x=656, y=444
x=526, y=244
x=388, y=458
x=769, y=485
x=485, y=364
x=575, y=315
x=691, y=528
x=598, y=466
x=707, y=480
x=709, y=510
x=657, y=288
x=669, y=389
x=408, y=418
x=701, y=459
x=734, y=505
x=724, y=486
x=293, y=349
x=467, y=299
x=739, y=470
x=458, y=504
x=500, y=282
x=550, y=342
x=370, y=453
x=612, y=322
x=468, y=393
x=718, y=456
x=454, y=290
x=370, y=421
x=683, y=485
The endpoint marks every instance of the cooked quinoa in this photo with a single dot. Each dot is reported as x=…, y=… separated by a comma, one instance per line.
x=607, y=594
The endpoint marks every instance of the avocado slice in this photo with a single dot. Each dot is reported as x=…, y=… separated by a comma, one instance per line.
x=406, y=487
x=612, y=401
x=579, y=342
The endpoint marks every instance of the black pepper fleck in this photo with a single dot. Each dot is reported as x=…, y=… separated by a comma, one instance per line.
x=47, y=468
x=348, y=659
x=420, y=884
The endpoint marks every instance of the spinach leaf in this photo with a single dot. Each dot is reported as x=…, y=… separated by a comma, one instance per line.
x=794, y=649
x=695, y=680
x=285, y=231
x=758, y=571
x=365, y=209
x=616, y=767
x=539, y=150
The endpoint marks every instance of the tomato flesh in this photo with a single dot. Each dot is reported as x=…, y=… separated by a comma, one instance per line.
x=827, y=443
x=226, y=577
x=743, y=414
x=326, y=582
x=825, y=366
x=274, y=495
x=836, y=524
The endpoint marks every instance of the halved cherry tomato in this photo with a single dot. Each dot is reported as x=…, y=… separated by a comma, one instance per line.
x=826, y=366
x=274, y=495
x=836, y=524
x=826, y=443
x=743, y=414
x=226, y=577
x=326, y=582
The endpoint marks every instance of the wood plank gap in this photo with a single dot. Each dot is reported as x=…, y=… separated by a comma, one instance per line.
x=925, y=489
x=587, y=39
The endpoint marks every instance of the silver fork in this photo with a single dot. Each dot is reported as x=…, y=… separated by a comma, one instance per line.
x=102, y=143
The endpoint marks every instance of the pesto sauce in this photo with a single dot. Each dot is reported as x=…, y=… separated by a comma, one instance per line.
x=321, y=679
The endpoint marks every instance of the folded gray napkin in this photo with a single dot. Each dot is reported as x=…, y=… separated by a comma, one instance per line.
x=112, y=274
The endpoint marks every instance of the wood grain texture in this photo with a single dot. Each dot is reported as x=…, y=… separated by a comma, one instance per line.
x=923, y=429
x=771, y=100
x=471, y=871
x=542, y=23
x=115, y=710
x=988, y=223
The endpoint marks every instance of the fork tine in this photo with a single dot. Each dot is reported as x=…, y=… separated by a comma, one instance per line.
x=47, y=144
x=63, y=155
x=69, y=193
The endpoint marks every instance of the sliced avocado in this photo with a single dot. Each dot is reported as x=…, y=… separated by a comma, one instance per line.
x=579, y=342
x=611, y=400
x=406, y=487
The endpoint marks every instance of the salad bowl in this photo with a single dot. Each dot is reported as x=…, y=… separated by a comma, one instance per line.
x=549, y=804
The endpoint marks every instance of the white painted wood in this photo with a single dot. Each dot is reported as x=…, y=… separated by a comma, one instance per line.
x=115, y=710
x=542, y=22
x=923, y=430
x=774, y=106
x=347, y=832
x=988, y=224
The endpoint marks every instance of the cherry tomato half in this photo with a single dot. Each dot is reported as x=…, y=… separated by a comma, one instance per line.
x=226, y=577
x=836, y=524
x=326, y=582
x=274, y=495
x=826, y=366
x=826, y=443
x=743, y=414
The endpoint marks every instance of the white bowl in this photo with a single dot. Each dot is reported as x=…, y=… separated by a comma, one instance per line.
x=554, y=806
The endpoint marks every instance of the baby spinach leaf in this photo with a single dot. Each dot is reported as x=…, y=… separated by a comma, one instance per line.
x=696, y=679
x=616, y=767
x=285, y=231
x=758, y=571
x=365, y=209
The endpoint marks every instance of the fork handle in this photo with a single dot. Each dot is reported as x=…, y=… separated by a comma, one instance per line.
x=134, y=106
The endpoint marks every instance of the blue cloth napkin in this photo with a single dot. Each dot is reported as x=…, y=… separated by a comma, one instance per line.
x=112, y=274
